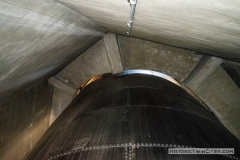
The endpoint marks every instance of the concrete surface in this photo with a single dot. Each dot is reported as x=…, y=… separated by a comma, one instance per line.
x=113, y=52
x=207, y=26
x=203, y=72
x=218, y=91
x=37, y=39
x=24, y=118
x=63, y=86
x=142, y=54
x=91, y=63
x=104, y=57
x=233, y=70
x=60, y=101
x=222, y=96
x=101, y=58
x=211, y=85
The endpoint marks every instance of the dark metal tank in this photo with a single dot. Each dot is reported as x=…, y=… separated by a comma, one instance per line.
x=133, y=117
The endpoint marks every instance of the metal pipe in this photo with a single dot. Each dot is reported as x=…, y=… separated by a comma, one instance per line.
x=133, y=4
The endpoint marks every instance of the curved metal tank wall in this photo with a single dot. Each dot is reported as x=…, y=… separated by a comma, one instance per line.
x=128, y=117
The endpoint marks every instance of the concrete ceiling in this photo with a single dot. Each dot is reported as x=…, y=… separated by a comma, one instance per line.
x=39, y=38
x=211, y=26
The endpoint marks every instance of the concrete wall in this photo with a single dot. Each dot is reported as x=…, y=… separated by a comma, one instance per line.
x=91, y=63
x=60, y=101
x=141, y=54
x=24, y=117
x=222, y=96
x=103, y=57
x=39, y=38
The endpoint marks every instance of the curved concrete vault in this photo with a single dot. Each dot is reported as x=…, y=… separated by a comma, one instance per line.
x=39, y=38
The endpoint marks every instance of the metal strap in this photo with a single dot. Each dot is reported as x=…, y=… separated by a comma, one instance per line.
x=133, y=4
